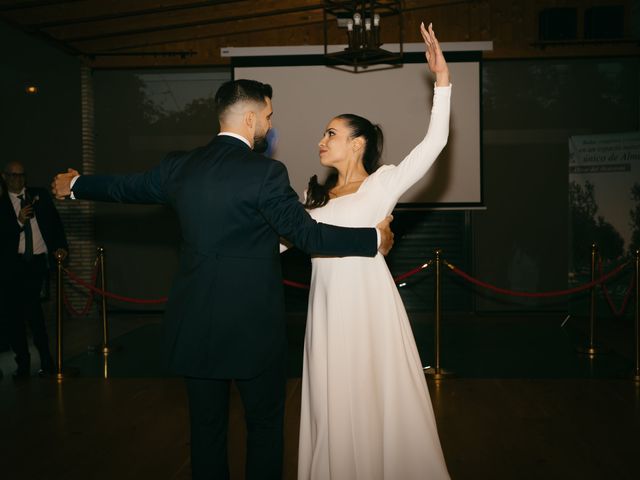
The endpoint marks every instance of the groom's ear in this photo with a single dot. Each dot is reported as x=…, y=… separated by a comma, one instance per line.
x=249, y=119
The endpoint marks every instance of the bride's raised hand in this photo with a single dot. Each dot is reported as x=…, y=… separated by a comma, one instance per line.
x=435, y=58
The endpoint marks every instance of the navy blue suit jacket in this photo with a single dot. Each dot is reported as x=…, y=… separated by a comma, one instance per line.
x=225, y=316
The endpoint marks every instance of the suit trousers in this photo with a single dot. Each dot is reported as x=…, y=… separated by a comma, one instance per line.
x=263, y=398
x=22, y=306
x=4, y=327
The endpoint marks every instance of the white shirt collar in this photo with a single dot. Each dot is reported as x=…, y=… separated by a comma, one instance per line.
x=239, y=137
x=15, y=195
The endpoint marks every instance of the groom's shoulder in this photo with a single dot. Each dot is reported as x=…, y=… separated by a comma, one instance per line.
x=233, y=152
x=260, y=161
x=268, y=164
x=178, y=158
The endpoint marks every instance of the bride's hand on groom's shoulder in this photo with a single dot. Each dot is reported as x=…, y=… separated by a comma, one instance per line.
x=435, y=57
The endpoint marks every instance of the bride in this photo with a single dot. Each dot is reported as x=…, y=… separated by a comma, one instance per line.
x=366, y=411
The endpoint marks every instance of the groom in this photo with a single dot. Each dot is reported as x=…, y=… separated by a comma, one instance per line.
x=225, y=317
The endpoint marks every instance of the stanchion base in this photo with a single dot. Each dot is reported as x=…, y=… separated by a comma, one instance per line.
x=439, y=374
x=592, y=350
x=106, y=350
x=66, y=373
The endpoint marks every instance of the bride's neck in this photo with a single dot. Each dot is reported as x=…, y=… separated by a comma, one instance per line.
x=351, y=174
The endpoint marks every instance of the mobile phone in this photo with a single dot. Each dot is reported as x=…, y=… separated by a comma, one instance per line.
x=31, y=202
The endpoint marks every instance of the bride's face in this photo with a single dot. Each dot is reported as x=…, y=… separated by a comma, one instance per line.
x=336, y=145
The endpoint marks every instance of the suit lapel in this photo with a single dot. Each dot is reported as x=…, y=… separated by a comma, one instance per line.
x=7, y=207
x=9, y=218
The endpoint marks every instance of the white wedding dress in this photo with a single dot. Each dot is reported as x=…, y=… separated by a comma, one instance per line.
x=366, y=411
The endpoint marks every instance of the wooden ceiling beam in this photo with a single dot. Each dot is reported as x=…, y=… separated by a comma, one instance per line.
x=67, y=21
x=171, y=10
x=122, y=27
x=235, y=28
x=189, y=18
x=208, y=41
x=207, y=52
x=73, y=11
x=178, y=20
x=9, y=5
x=413, y=5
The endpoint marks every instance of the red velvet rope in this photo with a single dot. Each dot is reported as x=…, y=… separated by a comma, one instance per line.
x=71, y=309
x=557, y=293
x=396, y=279
x=607, y=296
x=412, y=272
x=113, y=295
x=290, y=283
x=94, y=289
x=89, y=303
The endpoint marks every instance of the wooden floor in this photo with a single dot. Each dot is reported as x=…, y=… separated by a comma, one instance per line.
x=490, y=428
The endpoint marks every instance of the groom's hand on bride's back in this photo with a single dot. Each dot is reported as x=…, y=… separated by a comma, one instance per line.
x=386, y=235
x=61, y=185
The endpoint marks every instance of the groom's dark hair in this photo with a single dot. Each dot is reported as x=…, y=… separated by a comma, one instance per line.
x=235, y=91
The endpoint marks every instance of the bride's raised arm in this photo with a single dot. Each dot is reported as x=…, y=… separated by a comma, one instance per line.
x=399, y=179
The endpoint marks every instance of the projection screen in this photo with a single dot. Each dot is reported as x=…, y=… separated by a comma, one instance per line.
x=307, y=96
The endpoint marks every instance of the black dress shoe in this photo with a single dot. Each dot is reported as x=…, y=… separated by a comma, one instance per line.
x=45, y=372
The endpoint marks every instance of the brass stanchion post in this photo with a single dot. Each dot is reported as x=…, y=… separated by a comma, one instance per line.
x=105, y=365
x=592, y=349
x=103, y=286
x=59, y=312
x=636, y=374
x=436, y=372
x=104, y=346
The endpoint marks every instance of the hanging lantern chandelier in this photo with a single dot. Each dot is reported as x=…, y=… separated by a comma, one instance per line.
x=362, y=22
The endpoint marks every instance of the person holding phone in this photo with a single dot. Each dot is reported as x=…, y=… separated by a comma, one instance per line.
x=31, y=232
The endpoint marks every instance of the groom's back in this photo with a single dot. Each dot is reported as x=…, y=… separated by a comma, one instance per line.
x=226, y=315
x=215, y=190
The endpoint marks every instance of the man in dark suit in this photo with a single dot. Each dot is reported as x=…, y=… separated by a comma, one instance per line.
x=225, y=317
x=4, y=336
x=30, y=232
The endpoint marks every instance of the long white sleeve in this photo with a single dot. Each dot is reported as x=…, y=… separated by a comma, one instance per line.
x=400, y=178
